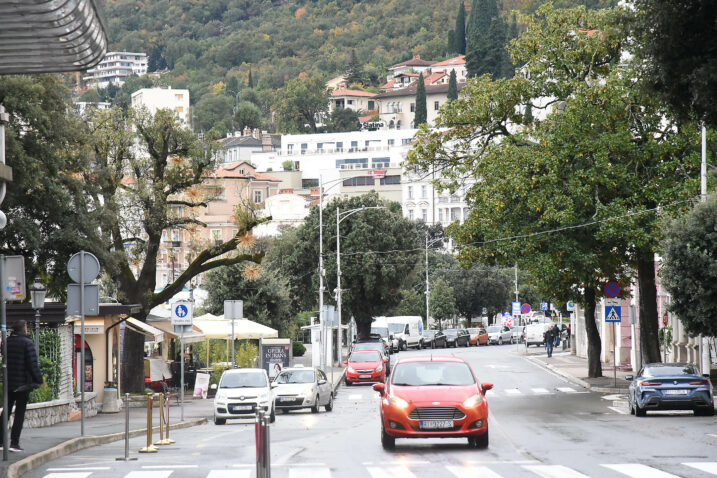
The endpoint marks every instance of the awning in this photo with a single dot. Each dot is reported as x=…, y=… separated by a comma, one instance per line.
x=243, y=329
x=39, y=36
x=147, y=330
x=194, y=335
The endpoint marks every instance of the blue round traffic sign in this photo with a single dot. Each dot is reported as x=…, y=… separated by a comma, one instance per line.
x=525, y=309
x=181, y=310
x=612, y=290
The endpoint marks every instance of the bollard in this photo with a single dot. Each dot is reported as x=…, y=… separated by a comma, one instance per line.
x=149, y=448
x=126, y=431
x=267, y=448
x=161, y=440
x=259, y=436
x=166, y=420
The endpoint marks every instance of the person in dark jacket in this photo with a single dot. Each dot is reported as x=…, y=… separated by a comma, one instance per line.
x=549, y=338
x=23, y=376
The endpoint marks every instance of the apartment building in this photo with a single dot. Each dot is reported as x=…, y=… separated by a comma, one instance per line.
x=164, y=98
x=115, y=68
x=240, y=145
x=356, y=100
x=397, y=107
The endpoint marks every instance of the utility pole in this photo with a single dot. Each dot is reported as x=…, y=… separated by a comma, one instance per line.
x=428, y=287
x=321, y=272
x=704, y=349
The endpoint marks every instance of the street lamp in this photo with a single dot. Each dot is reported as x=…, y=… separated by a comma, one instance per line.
x=428, y=286
x=340, y=216
x=37, y=297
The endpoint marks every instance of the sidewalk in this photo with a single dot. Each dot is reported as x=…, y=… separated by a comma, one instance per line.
x=45, y=444
x=575, y=370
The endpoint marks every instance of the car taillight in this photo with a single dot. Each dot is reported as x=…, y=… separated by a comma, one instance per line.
x=702, y=382
x=650, y=384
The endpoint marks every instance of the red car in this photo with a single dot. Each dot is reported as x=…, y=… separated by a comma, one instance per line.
x=433, y=397
x=365, y=366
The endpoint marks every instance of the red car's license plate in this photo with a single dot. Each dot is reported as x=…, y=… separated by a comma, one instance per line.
x=365, y=376
x=436, y=424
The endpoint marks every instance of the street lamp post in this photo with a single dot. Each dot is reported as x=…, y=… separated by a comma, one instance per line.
x=428, y=285
x=37, y=297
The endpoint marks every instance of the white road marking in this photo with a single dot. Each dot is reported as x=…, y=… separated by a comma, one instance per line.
x=472, y=471
x=82, y=468
x=512, y=391
x=639, y=471
x=540, y=391
x=356, y=396
x=165, y=467
x=567, y=390
x=712, y=435
x=390, y=472
x=396, y=463
x=229, y=474
x=707, y=467
x=149, y=474
x=69, y=475
x=618, y=410
x=554, y=471
x=309, y=472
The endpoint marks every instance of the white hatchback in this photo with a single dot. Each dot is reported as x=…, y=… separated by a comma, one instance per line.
x=241, y=392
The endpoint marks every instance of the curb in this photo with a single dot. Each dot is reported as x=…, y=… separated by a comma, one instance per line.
x=576, y=380
x=338, y=382
x=21, y=467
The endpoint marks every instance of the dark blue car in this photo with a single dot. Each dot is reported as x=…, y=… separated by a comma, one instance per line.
x=670, y=386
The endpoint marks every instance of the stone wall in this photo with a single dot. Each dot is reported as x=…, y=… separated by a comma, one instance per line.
x=45, y=414
x=67, y=340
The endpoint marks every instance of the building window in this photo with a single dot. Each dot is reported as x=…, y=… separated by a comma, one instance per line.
x=440, y=215
x=410, y=192
x=424, y=191
x=359, y=181
x=351, y=102
x=179, y=109
x=413, y=107
x=424, y=215
x=339, y=146
x=290, y=148
x=391, y=142
x=257, y=196
x=309, y=183
x=371, y=105
x=215, y=235
x=465, y=214
x=387, y=180
x=304, y=147
x=436, y=106
x=410, y=214
x=405, y=141
x=354, y=146
x=179, y=97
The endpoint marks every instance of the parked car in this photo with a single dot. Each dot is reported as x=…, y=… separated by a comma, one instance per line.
x=374, y=345
x=408, y=329
x=379, y=328
x=456, y=337
x=534, y=333
x=516, y=334
x=365, y=366
x=499, y=334
x=670, y=386
x=240, y=392
x=303, y=387
x=433, y=397
x=478, y=337
x=434, y=339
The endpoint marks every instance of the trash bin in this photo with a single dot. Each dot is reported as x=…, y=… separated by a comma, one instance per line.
x=110, y=399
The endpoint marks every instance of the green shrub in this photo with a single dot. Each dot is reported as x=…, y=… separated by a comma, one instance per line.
x=42, y=394
x=217, y=371
x=298, y=349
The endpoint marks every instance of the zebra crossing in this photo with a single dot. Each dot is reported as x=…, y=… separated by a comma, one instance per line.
x=502, y=393
x=399, y=470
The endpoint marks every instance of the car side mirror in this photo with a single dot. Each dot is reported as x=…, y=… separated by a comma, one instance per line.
x=346, y=362
x=628, y=378
x=380, y=388
x=322, y=381
x=213, y=386
x=486, y=386
x=385, y=359
x=274, y=385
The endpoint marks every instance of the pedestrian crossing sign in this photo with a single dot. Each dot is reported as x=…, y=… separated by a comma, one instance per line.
x=612, y=313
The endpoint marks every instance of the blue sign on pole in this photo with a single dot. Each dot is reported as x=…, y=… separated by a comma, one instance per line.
x=612, y=289
x=613, y=310
x=543, y=306
x=181, y=310
x=525, y=309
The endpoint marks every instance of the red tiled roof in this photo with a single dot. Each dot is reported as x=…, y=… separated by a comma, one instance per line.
x=388, y=85
x=232, y=171
x=433, y=77
x=458, y=60
x=411, y=90
x=415, y=61
x=347, y=92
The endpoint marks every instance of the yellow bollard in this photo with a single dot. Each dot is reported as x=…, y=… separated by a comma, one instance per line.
x=149, y=448
x=162, y=425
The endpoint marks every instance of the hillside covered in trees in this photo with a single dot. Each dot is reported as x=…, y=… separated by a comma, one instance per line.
x=211, y=46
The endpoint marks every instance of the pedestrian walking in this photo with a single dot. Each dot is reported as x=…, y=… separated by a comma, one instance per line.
x=23, y=377
x=549, y=342
x=556, y=335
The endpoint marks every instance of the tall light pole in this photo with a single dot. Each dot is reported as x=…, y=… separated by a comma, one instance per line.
x=340, y=216
x=428, y=285
x=37, y=297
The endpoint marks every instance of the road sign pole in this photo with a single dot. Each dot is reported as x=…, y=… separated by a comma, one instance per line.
x=5, y=391
x=81, y=372
x=181, y=372
x=614, y=353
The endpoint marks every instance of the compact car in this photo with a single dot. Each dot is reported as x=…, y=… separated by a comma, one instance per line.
x=377, y=346
x=516, y=334
x=240, y=392
x=302, y=387
x=364, y=366
x=457, y=337
x=433, y=397
x=434, y=339
x=670, y=386
x=499, y=334
x=478, y=337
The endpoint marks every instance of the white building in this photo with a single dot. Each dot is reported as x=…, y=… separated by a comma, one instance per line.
x=158, y=98
x=115, y=68
x=356, y=100
x=285, y=210
x=82, y=107
x=423, y=201
x=240, y=146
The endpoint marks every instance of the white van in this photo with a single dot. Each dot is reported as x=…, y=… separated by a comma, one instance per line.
x=407, y=331
x=534, y=333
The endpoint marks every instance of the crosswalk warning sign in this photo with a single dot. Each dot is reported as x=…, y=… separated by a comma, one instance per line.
x=612, y=314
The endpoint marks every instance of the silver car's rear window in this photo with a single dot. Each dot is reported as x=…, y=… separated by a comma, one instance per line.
x=295, y=376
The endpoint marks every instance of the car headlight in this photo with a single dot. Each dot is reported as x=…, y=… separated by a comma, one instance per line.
x=379, y=368
x=351, y=369
x=473, y=401
x=220, y=402
x=397, y=401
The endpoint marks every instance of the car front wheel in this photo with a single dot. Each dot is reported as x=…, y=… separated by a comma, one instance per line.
x=330, y=405
x=387, y=441
x=480, y=442
x=220, y=421
x=500, y=341
x=315, y=407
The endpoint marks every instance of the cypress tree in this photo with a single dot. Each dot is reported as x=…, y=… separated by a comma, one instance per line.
x=353, y=72
x=452, y=86
x=421, y=114
x=451, y=42
x=485, y=44
x=528, y=115
x=250, y=81
x=460, y=32
x=511, y=33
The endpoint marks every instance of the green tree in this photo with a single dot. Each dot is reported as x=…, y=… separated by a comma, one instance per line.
x=452, y=86
x=605, y=159
x=421, y=115
x=247, y=115
x=301, y=104
x=460, y=32
x=249, y=80
x=167, y=165
x=354, y=74
x=266, y=299
x=451, y=42
x=485, y=40
x=342, y=120
x=371, y=284
x=477, y=288
x=441, y=302
x=673, y=36
x=689, y=270
x=412, y=303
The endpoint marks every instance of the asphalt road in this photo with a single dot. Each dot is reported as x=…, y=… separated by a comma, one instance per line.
x=540, y=425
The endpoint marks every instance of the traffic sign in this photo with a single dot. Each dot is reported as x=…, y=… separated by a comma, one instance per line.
x=543, y=306
x=612, y=289
x=182, y=311
x=525, y=309
x=89, y=264
x=516, y=308
x=571, y=305
x=612, y=310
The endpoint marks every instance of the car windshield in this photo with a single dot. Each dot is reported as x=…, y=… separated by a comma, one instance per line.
x=493, y=329
x=450, y=332
x=395, y=328
x=382, y=331
x=669, y=370
x=243, y=380
x=365, y=356
x=516, y=329
x=472, y=331
x=429, y=333
x=295, y=376
x=432, y=373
